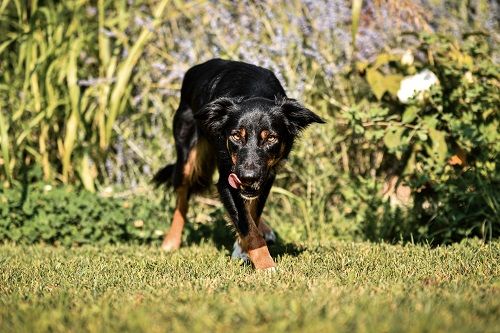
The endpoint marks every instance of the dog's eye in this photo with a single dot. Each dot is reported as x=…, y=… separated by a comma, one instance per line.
x=271, y=138
x=235, y=136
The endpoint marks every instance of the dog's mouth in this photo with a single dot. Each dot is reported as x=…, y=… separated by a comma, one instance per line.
x=246, y=192
x=234, y=181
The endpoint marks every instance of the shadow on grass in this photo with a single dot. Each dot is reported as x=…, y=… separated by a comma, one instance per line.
x=221, y=235
x=281, y=247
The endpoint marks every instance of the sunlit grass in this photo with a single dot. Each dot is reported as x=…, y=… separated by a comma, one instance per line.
x=332, y=286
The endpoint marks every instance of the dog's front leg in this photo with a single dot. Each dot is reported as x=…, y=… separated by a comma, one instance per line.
x=254, y=243
x=256, y=247
x=244, y=215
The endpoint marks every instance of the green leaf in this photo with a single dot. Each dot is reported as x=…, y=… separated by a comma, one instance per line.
x=361, y=66
x=392, y=83
x=376, y=82
x=392, y=138
x=439, y=147
x=410, y=165
x=422, y=135
x=430, y=122
x=383, y=59
x=410, y=114
x=4, y=144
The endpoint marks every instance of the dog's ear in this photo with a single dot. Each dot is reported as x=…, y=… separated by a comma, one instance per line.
x=215, y=114
x=298, y=116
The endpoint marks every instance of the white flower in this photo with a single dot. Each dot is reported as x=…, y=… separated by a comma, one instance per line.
x=407, y=58
x=416, y=84
x=468, y=77
x=138, y=223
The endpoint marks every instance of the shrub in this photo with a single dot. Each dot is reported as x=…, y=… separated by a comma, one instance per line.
x=68, y=216
x=444, y=142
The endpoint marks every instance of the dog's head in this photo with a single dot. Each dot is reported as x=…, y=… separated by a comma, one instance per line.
x=255, y=134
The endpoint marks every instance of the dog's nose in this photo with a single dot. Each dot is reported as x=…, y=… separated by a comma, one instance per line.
x=248, y=177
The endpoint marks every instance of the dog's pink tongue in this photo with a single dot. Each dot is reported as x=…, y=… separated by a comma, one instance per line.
x=234, y=181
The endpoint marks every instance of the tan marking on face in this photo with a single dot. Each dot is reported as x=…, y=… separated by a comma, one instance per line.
x=264, y=134
x=241, y=133
x=236, y=135
x=273, y=161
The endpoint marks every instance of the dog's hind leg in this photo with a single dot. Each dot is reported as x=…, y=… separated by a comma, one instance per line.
x=185, y=143
x=172, y=240
x=267, y=232
x=192, y=172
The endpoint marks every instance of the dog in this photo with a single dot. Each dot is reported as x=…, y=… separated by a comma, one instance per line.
x=235, y=117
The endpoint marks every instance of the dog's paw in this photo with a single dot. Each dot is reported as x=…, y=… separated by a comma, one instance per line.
x=239, y=254
x=270, y=270
x=170, y=246
x=270, y=237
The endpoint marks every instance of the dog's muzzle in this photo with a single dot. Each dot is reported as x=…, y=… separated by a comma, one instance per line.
x=248, y=192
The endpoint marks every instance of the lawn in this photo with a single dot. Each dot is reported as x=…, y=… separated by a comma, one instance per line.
x=335, y=286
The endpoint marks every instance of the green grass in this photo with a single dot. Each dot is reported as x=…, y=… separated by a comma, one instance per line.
x=334, y=286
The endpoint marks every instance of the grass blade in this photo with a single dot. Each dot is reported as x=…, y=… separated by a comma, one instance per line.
x=125, y=71
x=4, y=143
x=356, y=12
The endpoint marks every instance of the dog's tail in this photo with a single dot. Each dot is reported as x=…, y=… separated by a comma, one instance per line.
x=164, y=176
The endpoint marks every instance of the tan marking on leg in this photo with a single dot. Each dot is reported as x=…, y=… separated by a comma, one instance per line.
x=191, y=167
x=254, y=243
x=172, y=240
x=251, y=211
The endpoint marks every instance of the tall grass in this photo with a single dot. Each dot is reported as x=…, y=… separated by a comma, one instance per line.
x=57, y=119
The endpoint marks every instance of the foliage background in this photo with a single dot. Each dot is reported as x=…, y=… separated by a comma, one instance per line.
x=88, y=89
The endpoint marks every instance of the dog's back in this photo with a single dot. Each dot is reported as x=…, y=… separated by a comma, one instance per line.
x=216, y=78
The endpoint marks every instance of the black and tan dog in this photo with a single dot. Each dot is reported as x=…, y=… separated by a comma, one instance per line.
x=236, y=117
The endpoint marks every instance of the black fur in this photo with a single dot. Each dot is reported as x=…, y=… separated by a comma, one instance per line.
x=243, y=113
